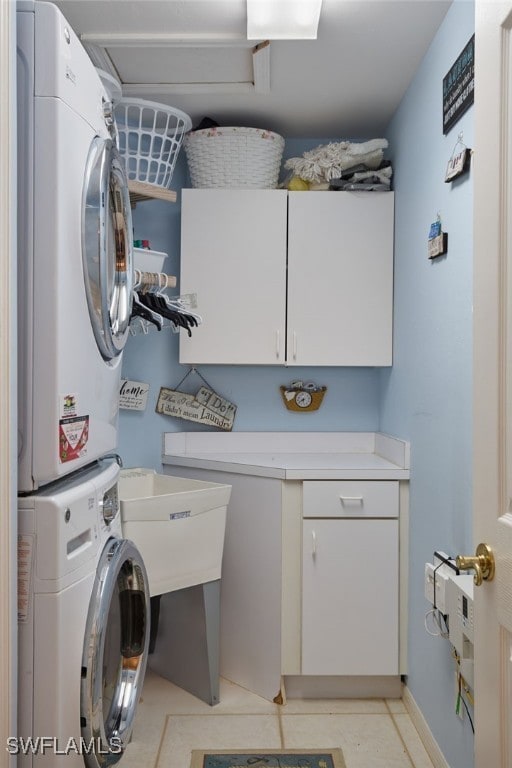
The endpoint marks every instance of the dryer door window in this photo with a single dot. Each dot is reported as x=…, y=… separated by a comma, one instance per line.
x=107, y=247
x=115, y=653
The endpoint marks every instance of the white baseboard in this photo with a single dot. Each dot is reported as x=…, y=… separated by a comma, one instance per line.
x=424, y=732
x=341, y=687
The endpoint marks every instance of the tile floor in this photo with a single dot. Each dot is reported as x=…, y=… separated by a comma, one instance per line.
x=373, y=733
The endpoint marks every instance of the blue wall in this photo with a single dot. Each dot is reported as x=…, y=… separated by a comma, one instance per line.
x=427, y=396
x=351, y=402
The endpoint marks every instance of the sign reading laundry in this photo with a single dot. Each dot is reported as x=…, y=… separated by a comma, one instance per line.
x=217, y=404
x=459, y=86
x=204, y=408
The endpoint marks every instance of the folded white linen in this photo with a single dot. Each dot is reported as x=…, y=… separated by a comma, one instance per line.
x=328, y=161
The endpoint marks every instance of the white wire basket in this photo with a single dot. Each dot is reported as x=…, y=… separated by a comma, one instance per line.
x=150, y=137
x=234, y=157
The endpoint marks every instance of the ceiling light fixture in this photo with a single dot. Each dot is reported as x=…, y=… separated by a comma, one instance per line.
x=283, y=19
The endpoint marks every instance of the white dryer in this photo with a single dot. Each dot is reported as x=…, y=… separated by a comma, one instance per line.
x=74, y=253
x=83, y=625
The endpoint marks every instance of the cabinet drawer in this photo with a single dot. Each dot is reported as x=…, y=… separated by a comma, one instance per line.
x=350, y=498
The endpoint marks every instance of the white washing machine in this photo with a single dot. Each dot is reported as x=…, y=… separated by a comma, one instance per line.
x=83, y=624
x=74, y=253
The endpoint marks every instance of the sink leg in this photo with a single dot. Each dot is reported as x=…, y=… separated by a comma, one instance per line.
x=211, y=597
x=186, y=650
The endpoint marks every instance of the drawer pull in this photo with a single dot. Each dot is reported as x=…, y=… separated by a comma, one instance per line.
x=313, y=544
x=343, y=499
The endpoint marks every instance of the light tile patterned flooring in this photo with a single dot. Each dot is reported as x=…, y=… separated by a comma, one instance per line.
x=373, y=733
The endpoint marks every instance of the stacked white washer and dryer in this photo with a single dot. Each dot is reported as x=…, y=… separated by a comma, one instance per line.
x=83, y=593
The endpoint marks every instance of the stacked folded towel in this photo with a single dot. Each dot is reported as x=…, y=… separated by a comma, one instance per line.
x=345, y=165
x=362, y=178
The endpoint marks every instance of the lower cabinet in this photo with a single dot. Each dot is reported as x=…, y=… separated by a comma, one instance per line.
x=350, y=585
x=310, y=581
x=350, y=597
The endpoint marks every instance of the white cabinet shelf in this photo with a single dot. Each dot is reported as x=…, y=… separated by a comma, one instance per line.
x=140, y=192
x=282, y=278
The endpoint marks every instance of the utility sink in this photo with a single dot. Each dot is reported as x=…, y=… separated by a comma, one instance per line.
x=177, y=524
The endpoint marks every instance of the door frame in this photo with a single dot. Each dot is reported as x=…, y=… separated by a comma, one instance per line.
x=8, y=459
x=492, y=229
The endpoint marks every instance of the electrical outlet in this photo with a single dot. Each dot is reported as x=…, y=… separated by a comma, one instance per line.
x=459, y=606
x=436, y=579
x=429, y=582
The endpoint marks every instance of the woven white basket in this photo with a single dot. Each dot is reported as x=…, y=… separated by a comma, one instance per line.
x=150, y=137
x=234, y=157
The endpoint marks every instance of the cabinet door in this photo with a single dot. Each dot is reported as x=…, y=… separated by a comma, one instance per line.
x=340, y=278
x=233, y=256
x=350, y=597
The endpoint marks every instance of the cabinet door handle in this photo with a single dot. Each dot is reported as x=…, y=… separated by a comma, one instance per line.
x=343, y=499
x=294, y=345
x=277, y=344
x=313, y=544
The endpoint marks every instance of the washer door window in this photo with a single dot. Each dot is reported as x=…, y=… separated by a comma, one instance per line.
x=115, y=653
x=107, y=247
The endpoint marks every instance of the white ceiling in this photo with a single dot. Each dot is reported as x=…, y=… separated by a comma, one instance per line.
x=193, y=54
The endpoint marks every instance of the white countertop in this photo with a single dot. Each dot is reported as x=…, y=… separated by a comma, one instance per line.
x=292, y=455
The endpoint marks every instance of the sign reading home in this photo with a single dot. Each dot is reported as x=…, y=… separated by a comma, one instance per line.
x=459, y=86
x=133, y=395
x=205, y=407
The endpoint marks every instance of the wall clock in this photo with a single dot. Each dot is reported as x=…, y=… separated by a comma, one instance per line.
x=303, y=399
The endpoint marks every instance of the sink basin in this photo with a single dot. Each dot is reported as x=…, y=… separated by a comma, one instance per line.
x=177, y=524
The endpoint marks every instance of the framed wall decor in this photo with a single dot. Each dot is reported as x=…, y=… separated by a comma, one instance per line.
x=459, y=86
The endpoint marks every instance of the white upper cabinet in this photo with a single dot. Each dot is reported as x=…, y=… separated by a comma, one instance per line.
x=340, y=278
x=233, y=256
x=302, y=278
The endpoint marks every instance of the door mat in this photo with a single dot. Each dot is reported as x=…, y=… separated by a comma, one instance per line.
x=263, y=758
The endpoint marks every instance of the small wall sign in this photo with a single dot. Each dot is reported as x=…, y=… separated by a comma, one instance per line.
x=133, y=395
x=458, y=164
x=437, y=240
x=204, y=408
x=459, y=86
x=217, y=404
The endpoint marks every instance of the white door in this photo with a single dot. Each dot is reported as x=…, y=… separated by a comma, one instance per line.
x=8, y=551
x=493, y=379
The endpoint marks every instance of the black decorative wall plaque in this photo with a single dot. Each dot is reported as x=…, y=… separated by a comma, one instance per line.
x=459, y=86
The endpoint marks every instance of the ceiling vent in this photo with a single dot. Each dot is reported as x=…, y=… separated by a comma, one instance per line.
x=166, y=64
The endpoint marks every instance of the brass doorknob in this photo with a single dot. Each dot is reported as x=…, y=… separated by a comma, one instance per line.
x=483, y=564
